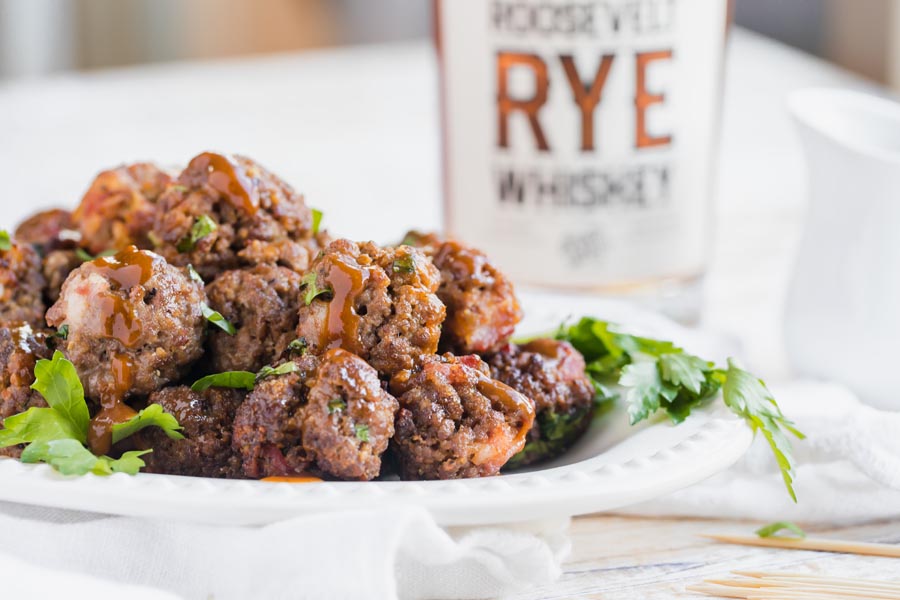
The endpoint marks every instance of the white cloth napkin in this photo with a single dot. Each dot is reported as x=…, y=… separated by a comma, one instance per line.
x=383, y=554
x=849, y=466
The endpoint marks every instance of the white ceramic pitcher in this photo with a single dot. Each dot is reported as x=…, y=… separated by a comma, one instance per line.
x=843, y=313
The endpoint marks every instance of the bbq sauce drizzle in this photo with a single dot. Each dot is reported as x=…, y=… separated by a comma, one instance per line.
x=341, y=328
x=127, y=269
x=227, y=177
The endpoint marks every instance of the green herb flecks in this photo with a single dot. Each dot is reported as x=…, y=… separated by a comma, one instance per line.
x=242, y=380
x=404, y=264
x=298, y=346
x=773, y=529
x=202, y=227
x=63, y=332
x=310, y=283
x=86, y=256
x=216, y=318
x=5, y=240
x=316, y=220
x=335, y=405
x=362, y=432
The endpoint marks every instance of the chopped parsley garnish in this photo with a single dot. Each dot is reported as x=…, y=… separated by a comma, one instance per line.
x=657, y=375
x=152, y=416
x=5, y=240
x=58, y=433
x=362, y=432
x=202, y=227
x=772, y=530
x=242, y=380
x=316, y=220
x=336, y=404
x=178, y=187
x=298, y=346
x=86, y=256
x=404, y=264
x=63, y=332
x=194, y=275
x=216, y=318
x=310, y=282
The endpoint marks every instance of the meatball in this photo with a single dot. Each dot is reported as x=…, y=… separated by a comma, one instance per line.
x=331, y=416
x=482, y=309
x=21, y=286
x=56, y=267
x=206, y=419
x=244, y=208
x=119, y=208
x=135, y=323
x=262, y=303
x=550, y=373
x=456, y=422
x=378, y=303
x=20, y=349
x=49, y=230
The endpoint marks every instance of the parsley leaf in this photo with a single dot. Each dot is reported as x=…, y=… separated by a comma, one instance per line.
x=310, y=282
x=56, y=435
x=316, y=220
x=194, y=275
x=336, y=404
x=69, y=457
x=57, y=381
x=283, y=369
x=300, y=345
x=202, y=227
x=658, y=375
x=242, y=379
x=404, y=264
x=772, y=529
x=5, y=240
x=361, y=431
x=216, y=318
x=228, y=379
x=63, y=332
x=86, y=256
x=152, y=416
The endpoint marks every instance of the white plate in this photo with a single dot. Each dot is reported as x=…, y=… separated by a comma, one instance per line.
x=614, y=465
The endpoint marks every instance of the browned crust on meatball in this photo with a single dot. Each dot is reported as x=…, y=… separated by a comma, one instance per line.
x=348, y=419
x=550, y=373
x=262, y=303
x=47, y=230
x=378, y=303
x=56, y=268
x=134, y=321
x=331, y=417
x=248, y=204
x=455, y=422
x=20, y=349
x=21, y=286
x=206, y=419
x=119, y=208
x=482, y=308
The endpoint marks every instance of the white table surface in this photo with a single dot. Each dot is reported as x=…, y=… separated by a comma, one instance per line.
x=356, y=130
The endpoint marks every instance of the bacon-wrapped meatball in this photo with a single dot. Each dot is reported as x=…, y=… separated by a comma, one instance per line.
x=482, y=309
x=206, y=419
x=457, y=422
x=550, y=373
x=262, y=303
x=119, y=208
x=226, y=211
x=378, y=303
x=331, y=416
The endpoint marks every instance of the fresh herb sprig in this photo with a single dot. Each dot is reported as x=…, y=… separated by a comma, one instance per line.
x=5, y=240
x=202, y=227
x=57, y=434
x=216, y=318
x=312, y=289
x=658, y=375
x=242, y=380
x=316, y=220
x=775, y=529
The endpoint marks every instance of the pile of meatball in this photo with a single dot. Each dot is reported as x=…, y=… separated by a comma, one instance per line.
x=402, y=360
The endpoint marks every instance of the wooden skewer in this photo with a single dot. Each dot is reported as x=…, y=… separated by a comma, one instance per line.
x=820, y=544
x=755, y=585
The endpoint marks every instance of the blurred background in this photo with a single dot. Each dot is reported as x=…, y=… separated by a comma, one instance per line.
x=44, y=36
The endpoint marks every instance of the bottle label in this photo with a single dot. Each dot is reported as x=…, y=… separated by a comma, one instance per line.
x=579, y=136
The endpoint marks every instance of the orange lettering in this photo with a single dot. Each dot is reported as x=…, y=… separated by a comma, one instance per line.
x=506, y=105
x=644, y=99
x=587, y=97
